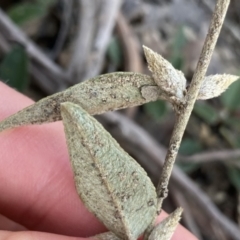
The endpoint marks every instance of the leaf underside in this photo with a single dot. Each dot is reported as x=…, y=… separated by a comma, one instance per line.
x=104, y=93
x=165, y=229
x=215, y=85
x=165, y=75
x=111, y=184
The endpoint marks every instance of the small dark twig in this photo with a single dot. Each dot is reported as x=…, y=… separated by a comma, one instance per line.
x=105, y=22
x=65, y=25
x=56, y=76
x=83, y=41
x=96, y=23
x=130, y=44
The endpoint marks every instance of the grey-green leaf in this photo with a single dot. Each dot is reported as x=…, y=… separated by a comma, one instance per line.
x=215, y=85
x=111, y=184
x=97, y=95
x=165, y=229
x=231, y=98
x=165, y=75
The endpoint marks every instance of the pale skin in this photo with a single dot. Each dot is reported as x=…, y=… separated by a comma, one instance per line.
x=36, y=182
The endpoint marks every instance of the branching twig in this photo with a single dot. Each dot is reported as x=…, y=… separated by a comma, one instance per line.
x=37, y=70
x=63, y=32
x=130, y=44
x=179, y=178
x=105, y=23
x=96, y=23
x=185, y=112
x=56, y=76
x=84, y=37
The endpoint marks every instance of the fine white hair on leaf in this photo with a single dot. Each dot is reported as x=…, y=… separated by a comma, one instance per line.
x=215, y=85
x=111, y=184
x=169, y=79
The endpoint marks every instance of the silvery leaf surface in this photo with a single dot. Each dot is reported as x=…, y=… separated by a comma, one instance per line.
x=111, y=184
x=165, y=229
x=165, y=75
x=97, y=95
x=215, y=85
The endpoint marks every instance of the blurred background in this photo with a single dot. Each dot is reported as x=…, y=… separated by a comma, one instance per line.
x=48, y=46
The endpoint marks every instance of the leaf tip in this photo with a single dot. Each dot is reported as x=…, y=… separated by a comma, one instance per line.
x=152, y=57
x=70, y=108
x=69, y=112
x=65, y=105
x=170, y=80
x=215, y=85
x=165, y=229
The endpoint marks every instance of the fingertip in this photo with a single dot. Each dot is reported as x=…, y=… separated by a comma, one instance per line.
x=11, y=101
x=29, y=235
x=37, y=187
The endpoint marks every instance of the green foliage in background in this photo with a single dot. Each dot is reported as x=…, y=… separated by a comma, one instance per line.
x=179, y=42
x=231, y=98
x=14, y=68
x=234, y=176
x=206, y=112
x=157, y=110
x=23, y=12
x=114, y=52
x=189, y=146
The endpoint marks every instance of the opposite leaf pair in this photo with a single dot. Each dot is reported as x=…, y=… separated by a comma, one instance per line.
x=120, y=90
x=173, y=83
x=111, y=184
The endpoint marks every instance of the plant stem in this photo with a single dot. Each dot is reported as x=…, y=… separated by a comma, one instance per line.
x=185, y=111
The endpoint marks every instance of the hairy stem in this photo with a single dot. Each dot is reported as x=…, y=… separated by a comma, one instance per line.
x=185, y=111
